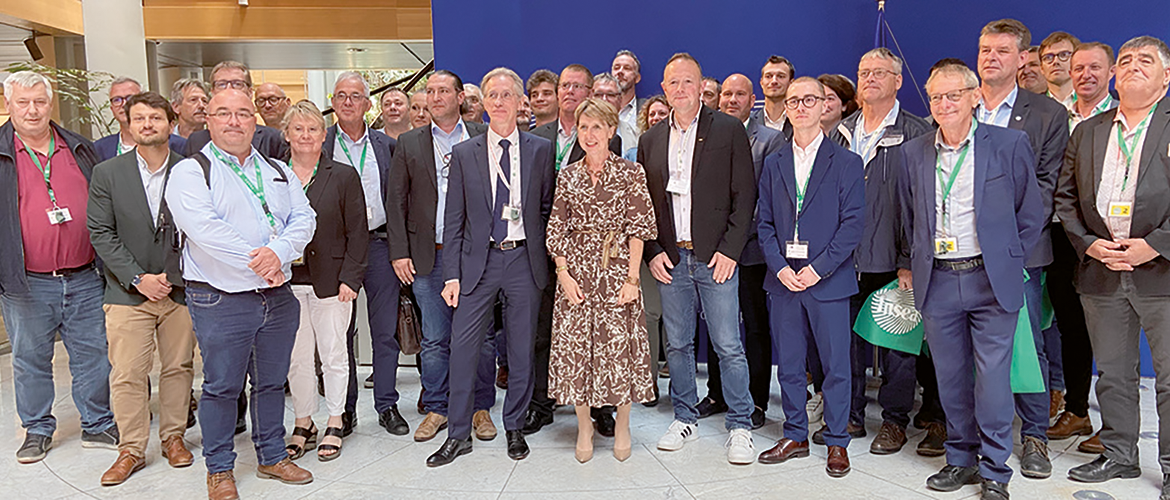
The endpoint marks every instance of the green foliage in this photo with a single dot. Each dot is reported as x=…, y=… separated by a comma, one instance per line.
x=75, y=89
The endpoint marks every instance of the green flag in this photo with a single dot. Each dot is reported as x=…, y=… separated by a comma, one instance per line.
x=888, y=319
x=1026, y=377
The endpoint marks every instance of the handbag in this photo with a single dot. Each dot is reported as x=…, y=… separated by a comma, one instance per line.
x=409, y=334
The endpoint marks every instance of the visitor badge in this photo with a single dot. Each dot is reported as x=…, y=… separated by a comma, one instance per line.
x=796, y=249
x=943, y=246
x=58, y=215
x=369, y=213
x=1119, y=209
x=510, y=213
x=678, y=186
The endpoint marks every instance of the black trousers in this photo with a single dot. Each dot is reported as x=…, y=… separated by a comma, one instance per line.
x=1076, y=350
x=753, y=306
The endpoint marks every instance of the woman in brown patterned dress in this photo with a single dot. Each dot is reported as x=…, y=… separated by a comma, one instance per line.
x=600, y=217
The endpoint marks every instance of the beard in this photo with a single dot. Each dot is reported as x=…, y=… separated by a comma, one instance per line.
x=157, y=139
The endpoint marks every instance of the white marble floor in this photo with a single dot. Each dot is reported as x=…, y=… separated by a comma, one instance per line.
x=375, y=464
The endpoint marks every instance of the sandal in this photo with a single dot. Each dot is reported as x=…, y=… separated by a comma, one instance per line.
x=336, y=449
x=296, y=451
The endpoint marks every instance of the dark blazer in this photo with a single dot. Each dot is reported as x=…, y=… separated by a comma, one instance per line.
x=414, y=197
x=12, y=277
x=125, y=234
x=1076, y=203
x=468, y=225
x=549, y=131
x=757, y=117
x=723, y=187
x=1046, y=123
x=383, y=150
x=267, y=140
x=107, y=147
x=1008, y=211
x=764, y=141
x=831, y=219
x=882, y=242
x=337, y=252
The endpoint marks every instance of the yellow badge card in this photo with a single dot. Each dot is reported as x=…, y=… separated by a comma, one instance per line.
x=943, y=246
x=1118, y=209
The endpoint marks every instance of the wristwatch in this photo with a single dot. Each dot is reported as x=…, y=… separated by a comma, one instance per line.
x=137, y=280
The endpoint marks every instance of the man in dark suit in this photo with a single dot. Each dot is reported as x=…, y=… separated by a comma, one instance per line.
x=627, y=70
x=1003, y=49
x=775, y=77
x=499, y=198
x=575, y=84
x=352, y=142
x=1115, y=206
x=235, y=75
x=736, y=99
x=815, y=185
x=122, y=141
x=699, y=172
x=131, y=231
x=415, y=204
x=972, y=211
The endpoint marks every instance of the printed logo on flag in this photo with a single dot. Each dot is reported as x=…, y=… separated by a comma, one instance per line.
x=893, y=310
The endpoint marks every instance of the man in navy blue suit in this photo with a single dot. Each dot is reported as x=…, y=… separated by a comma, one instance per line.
x=120, y=142
x=811, y=215
x=972, y=209
x=499, y=196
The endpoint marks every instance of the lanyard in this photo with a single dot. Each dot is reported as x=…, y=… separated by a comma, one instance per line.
x=257, y=189
x=47, y=167
x=365, y=147
x=563, y=151
x=445, y=158
x=311, y=177
x=684, y=139
x=799, y=203
x=120, y=149
x=866, y=148
x=948, y=184
x=1128, y=149
x=505, y=177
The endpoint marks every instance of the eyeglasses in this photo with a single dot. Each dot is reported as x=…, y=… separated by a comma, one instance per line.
x=227, y=115
x=118, y=100
x=269, y=101
x=235, y=84
x=1062, y=55
x=569, y=87
x=808, y=101
x=607, y=95
x=952, y=96
x=354, y=97
x=877, y=73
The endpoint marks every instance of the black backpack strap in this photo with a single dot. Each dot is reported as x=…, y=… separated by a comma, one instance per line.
x=205, y=164
x=275, y=166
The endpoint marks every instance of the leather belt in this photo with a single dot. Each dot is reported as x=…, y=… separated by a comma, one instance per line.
x=438, y=246
x=64, y=273
x=959, y=264
x=378, y=234
x=688, y=245
x=507, y=245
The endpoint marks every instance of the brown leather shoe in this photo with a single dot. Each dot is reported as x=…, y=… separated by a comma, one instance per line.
x=502, y=377
x=784, y=450
x=889, y=440
x=1055, y=404
x=855, y=431
x=933, y=444
x=429, y=427
x=481, y=423
x=838, y=463
x=222, y=486
x=123, y=467
x=176, y=453
x=1069, y=425
x=286, y=471
x=1092, y=445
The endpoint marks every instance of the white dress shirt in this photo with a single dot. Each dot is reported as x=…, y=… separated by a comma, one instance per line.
x=778, y=124
x=495, y=152
x=1113, y=174
x=681, y=156
x=958, y=221
x=371, y=177
x=152, y=183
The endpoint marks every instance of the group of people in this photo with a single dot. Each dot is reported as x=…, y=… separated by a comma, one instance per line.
x=563, y=237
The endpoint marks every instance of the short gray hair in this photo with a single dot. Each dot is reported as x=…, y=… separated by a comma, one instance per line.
x=517, y=83
x=886, y=55
x=605, y=77
x=352, y=75
x=125, y=79
x=637, y=62
x=970, y=79
x=181, y=85
x=27, y=79
x=1135, y=43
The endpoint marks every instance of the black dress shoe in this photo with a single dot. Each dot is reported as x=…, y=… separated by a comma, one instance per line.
x=1034, y=462
x=517, y=448
x=994, y=490
x=708, y=407
x=604, y=420
x=953, y=477
x=393, y=422
x=534, y=421
x=348, y=421
x=758, y=419
x=451, y=449
x=1103, y=469
x=241, y=424
x=194, y=405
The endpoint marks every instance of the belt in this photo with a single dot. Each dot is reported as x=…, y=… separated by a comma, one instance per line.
x=610, y=246
x=63, y=273
x=438, y=246
x=378, y=234
x=959, y=264
x=688, y=245
x=507, y=245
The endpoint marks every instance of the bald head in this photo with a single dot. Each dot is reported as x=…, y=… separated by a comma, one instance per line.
x=272, y=104
x=737, y=96
x=231, y=121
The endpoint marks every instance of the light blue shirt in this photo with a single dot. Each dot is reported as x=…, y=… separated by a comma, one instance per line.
x=1002, y=114
x=371, y=178
x=226, y=221
x=442, y=143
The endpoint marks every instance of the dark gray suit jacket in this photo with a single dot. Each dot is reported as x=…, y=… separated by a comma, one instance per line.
x=757, y=117
x=1046, y=123
x=124, y=233
x=764, y=141
x=383, y=150
x=549, y=131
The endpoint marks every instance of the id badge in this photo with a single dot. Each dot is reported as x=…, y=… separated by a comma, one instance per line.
x=369, y=213
x=796, y=249
x=1119, y=209
x=58, y=215
x=677, y=186
x=943, y=246
x=510, y=213
x=300, y=261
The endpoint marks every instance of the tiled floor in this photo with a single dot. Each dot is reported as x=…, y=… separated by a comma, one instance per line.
x=377, y=465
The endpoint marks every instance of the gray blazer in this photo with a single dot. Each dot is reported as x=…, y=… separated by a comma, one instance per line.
x=764, y=141
x=1046, y=123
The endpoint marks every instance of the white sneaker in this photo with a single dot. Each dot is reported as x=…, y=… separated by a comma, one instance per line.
x=677, y=435
x=740, y=449
x=815, y=408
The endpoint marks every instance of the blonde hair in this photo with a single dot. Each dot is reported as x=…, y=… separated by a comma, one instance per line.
x=599, y=110
x=304, y=109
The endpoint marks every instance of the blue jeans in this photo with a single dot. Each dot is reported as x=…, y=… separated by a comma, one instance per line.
x=242, y=333
x=1033, y=408
x=691, y=284
x=72, y=306
x=436, y=346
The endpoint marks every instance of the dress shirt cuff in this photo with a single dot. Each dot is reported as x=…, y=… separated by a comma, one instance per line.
x=453, y=280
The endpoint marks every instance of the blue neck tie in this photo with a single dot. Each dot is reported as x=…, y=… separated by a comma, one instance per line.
x=500, y=226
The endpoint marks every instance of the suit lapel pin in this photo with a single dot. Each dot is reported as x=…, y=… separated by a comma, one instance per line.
x=700, y=139
x=1018, y=118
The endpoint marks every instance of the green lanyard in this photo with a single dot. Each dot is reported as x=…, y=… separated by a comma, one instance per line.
x=257, y=189
x=365, y=147
x=947, y=184
x=562, y=151
x=1127, y=149
x=47, y=167
x=311, y=177
x=799, y=204
x=120, y=150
